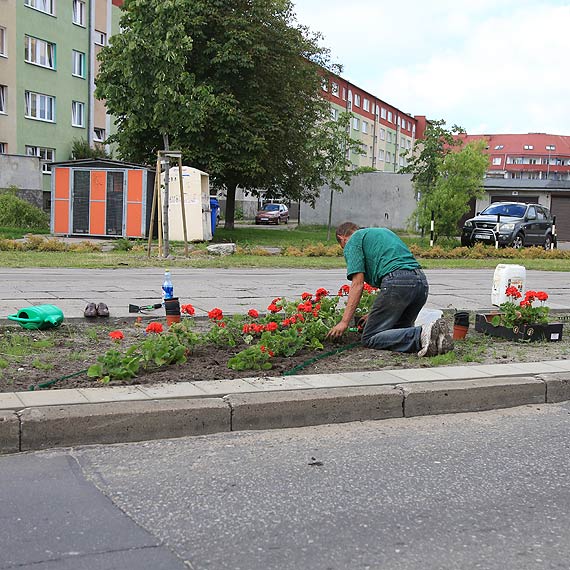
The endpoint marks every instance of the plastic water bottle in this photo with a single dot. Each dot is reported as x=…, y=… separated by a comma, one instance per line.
x=167, y=287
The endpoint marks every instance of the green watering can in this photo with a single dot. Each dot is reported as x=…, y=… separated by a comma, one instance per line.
x=38, y=317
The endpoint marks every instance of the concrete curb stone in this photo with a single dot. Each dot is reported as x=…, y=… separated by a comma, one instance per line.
x=9, y=432
x=63, y=426
x=557, y=386
x=314, y=407
x=455, y=396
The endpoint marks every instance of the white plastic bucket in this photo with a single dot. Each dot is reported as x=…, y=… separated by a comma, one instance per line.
x=507, y=275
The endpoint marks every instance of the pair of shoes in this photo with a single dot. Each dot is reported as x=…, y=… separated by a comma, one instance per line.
x=436, y=338
x=92, y=310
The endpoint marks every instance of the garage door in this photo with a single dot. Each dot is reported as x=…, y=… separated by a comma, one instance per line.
x=560, y=207
x=524, y=199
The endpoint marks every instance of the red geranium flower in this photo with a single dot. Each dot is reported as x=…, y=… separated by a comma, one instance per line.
x=154, y=327
x=276, y=300
x=344, y=290
x=272, y=326
x=188, y=309
x=513, y=292
x=257, y=328
x=541, y=295
x=369, y=288
x=525, y=303
x=215, y=314
x=273, y=308
x=253, y=313
x=246, y=328
x=117, y=335
x=306, y=296
x=306, y=307
x=321, y=292
x=221, y=324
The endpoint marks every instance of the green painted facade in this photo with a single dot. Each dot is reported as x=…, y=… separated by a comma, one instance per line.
x=58, y=83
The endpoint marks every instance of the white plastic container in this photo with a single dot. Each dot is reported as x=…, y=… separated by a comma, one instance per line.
x=507, y=275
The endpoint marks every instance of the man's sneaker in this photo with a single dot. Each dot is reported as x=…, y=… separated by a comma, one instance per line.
x=429, y=338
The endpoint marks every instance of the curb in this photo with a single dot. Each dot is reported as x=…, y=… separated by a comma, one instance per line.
x=45, y=427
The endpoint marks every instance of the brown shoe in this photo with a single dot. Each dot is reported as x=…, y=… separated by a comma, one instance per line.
x=90, y=311
x=102, y=310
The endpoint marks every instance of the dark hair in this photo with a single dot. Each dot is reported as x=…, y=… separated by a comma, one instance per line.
x=346, y=229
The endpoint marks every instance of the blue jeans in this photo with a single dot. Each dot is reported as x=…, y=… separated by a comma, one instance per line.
x=390, y=324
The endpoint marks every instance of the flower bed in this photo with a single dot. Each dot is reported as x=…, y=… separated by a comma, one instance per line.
x=530, y=332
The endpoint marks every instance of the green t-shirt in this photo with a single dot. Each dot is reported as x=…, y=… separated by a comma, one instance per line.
x=376, y=252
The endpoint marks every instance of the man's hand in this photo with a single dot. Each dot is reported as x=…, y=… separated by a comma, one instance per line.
x=337, y=331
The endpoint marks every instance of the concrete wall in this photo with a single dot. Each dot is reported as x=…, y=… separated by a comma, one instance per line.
x=25, y=173
x=378, y=199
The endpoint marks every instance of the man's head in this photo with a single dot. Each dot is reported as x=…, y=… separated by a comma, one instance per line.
x=344, y=231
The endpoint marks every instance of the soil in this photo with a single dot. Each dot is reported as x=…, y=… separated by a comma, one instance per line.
x=31, y=358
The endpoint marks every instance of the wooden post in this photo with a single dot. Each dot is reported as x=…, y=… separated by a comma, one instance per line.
x=182, y=207
x=159, y=208
x=153, y=208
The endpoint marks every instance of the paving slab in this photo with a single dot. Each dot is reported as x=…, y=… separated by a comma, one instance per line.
x=462, y=372
x=52, y=397
x=325, y=380
x=562, y=364
x=418, y=374
x=174, y=390
x=224, y=387
x=278, y=383
x=10, y=401
x=113, y=394
x=536, y=367
x=497, y=369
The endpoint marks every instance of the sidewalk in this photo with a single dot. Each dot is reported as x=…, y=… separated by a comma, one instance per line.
x=52, y=418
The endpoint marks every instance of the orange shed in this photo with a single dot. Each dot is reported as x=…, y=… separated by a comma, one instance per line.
x=101, y=197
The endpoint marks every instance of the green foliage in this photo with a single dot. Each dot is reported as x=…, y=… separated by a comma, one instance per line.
x=235, y=85
x=80, y=149
x=114, y=366
x=252, y=358
x=123, y=244
x=17, y=212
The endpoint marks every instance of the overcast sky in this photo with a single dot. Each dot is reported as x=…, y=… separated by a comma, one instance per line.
x=490, y=66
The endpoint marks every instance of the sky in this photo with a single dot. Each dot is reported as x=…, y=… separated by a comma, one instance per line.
x=489, y=66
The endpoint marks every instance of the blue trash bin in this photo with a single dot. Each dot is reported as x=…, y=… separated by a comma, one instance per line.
x=214, y=207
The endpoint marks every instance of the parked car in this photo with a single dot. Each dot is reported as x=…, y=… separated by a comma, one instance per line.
x=272, y=214
x=513, y=224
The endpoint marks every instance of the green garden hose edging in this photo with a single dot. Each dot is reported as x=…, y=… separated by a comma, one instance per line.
x=295, y=369
x=34, y=387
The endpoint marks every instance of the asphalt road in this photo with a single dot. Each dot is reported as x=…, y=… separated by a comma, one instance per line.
x=487, y=491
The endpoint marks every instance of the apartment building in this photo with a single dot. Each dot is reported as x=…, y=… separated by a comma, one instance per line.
x=532, y=156
x=48, y=51
x=384, y=131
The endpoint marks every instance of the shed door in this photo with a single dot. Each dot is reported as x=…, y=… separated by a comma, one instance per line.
x=560, y=207
x=80, y=204
x=114, y=212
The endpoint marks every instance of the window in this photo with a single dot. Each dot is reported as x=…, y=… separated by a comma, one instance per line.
x=39, y=52
x=47, y=6
x=389, y=136
x=364, y=127
x=3, y=148
x=383, y=113
x=388, y=157
x=344, y=93
x=356, y=123
x=382, y=134
x=403, y=123
x=399, y=121
x=3, y=42
x=408, y=144
x=45, y=154
x=78, y=64
x=366, y=105
x=550, y=147
x=497, y=160
x=357, y=100
x=334, y=113
x=499, y=146
x=98, y=134
x=3, y=99
x=40, y=106
x=381, y=155
x=334, y=89
x=77, y=109
x=79, y=12
x=528, y=147
x=100, y=38
x=324, y=82
x=390, y=117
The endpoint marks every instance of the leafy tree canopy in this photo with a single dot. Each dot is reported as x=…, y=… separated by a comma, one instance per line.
x=234, y=84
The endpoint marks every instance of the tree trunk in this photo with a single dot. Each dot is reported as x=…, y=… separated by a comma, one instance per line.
x=166, y=232
x=230, y=205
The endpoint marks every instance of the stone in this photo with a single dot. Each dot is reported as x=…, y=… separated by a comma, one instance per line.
x=222, y=249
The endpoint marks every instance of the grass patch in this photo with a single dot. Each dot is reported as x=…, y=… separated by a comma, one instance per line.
x=13, y=345
x=443, y=359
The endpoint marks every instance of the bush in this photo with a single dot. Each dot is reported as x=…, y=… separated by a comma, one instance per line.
x=15, y=212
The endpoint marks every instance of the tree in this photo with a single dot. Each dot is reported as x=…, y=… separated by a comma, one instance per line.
x=234, y=84
x=426, y=167
x=459, y=178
